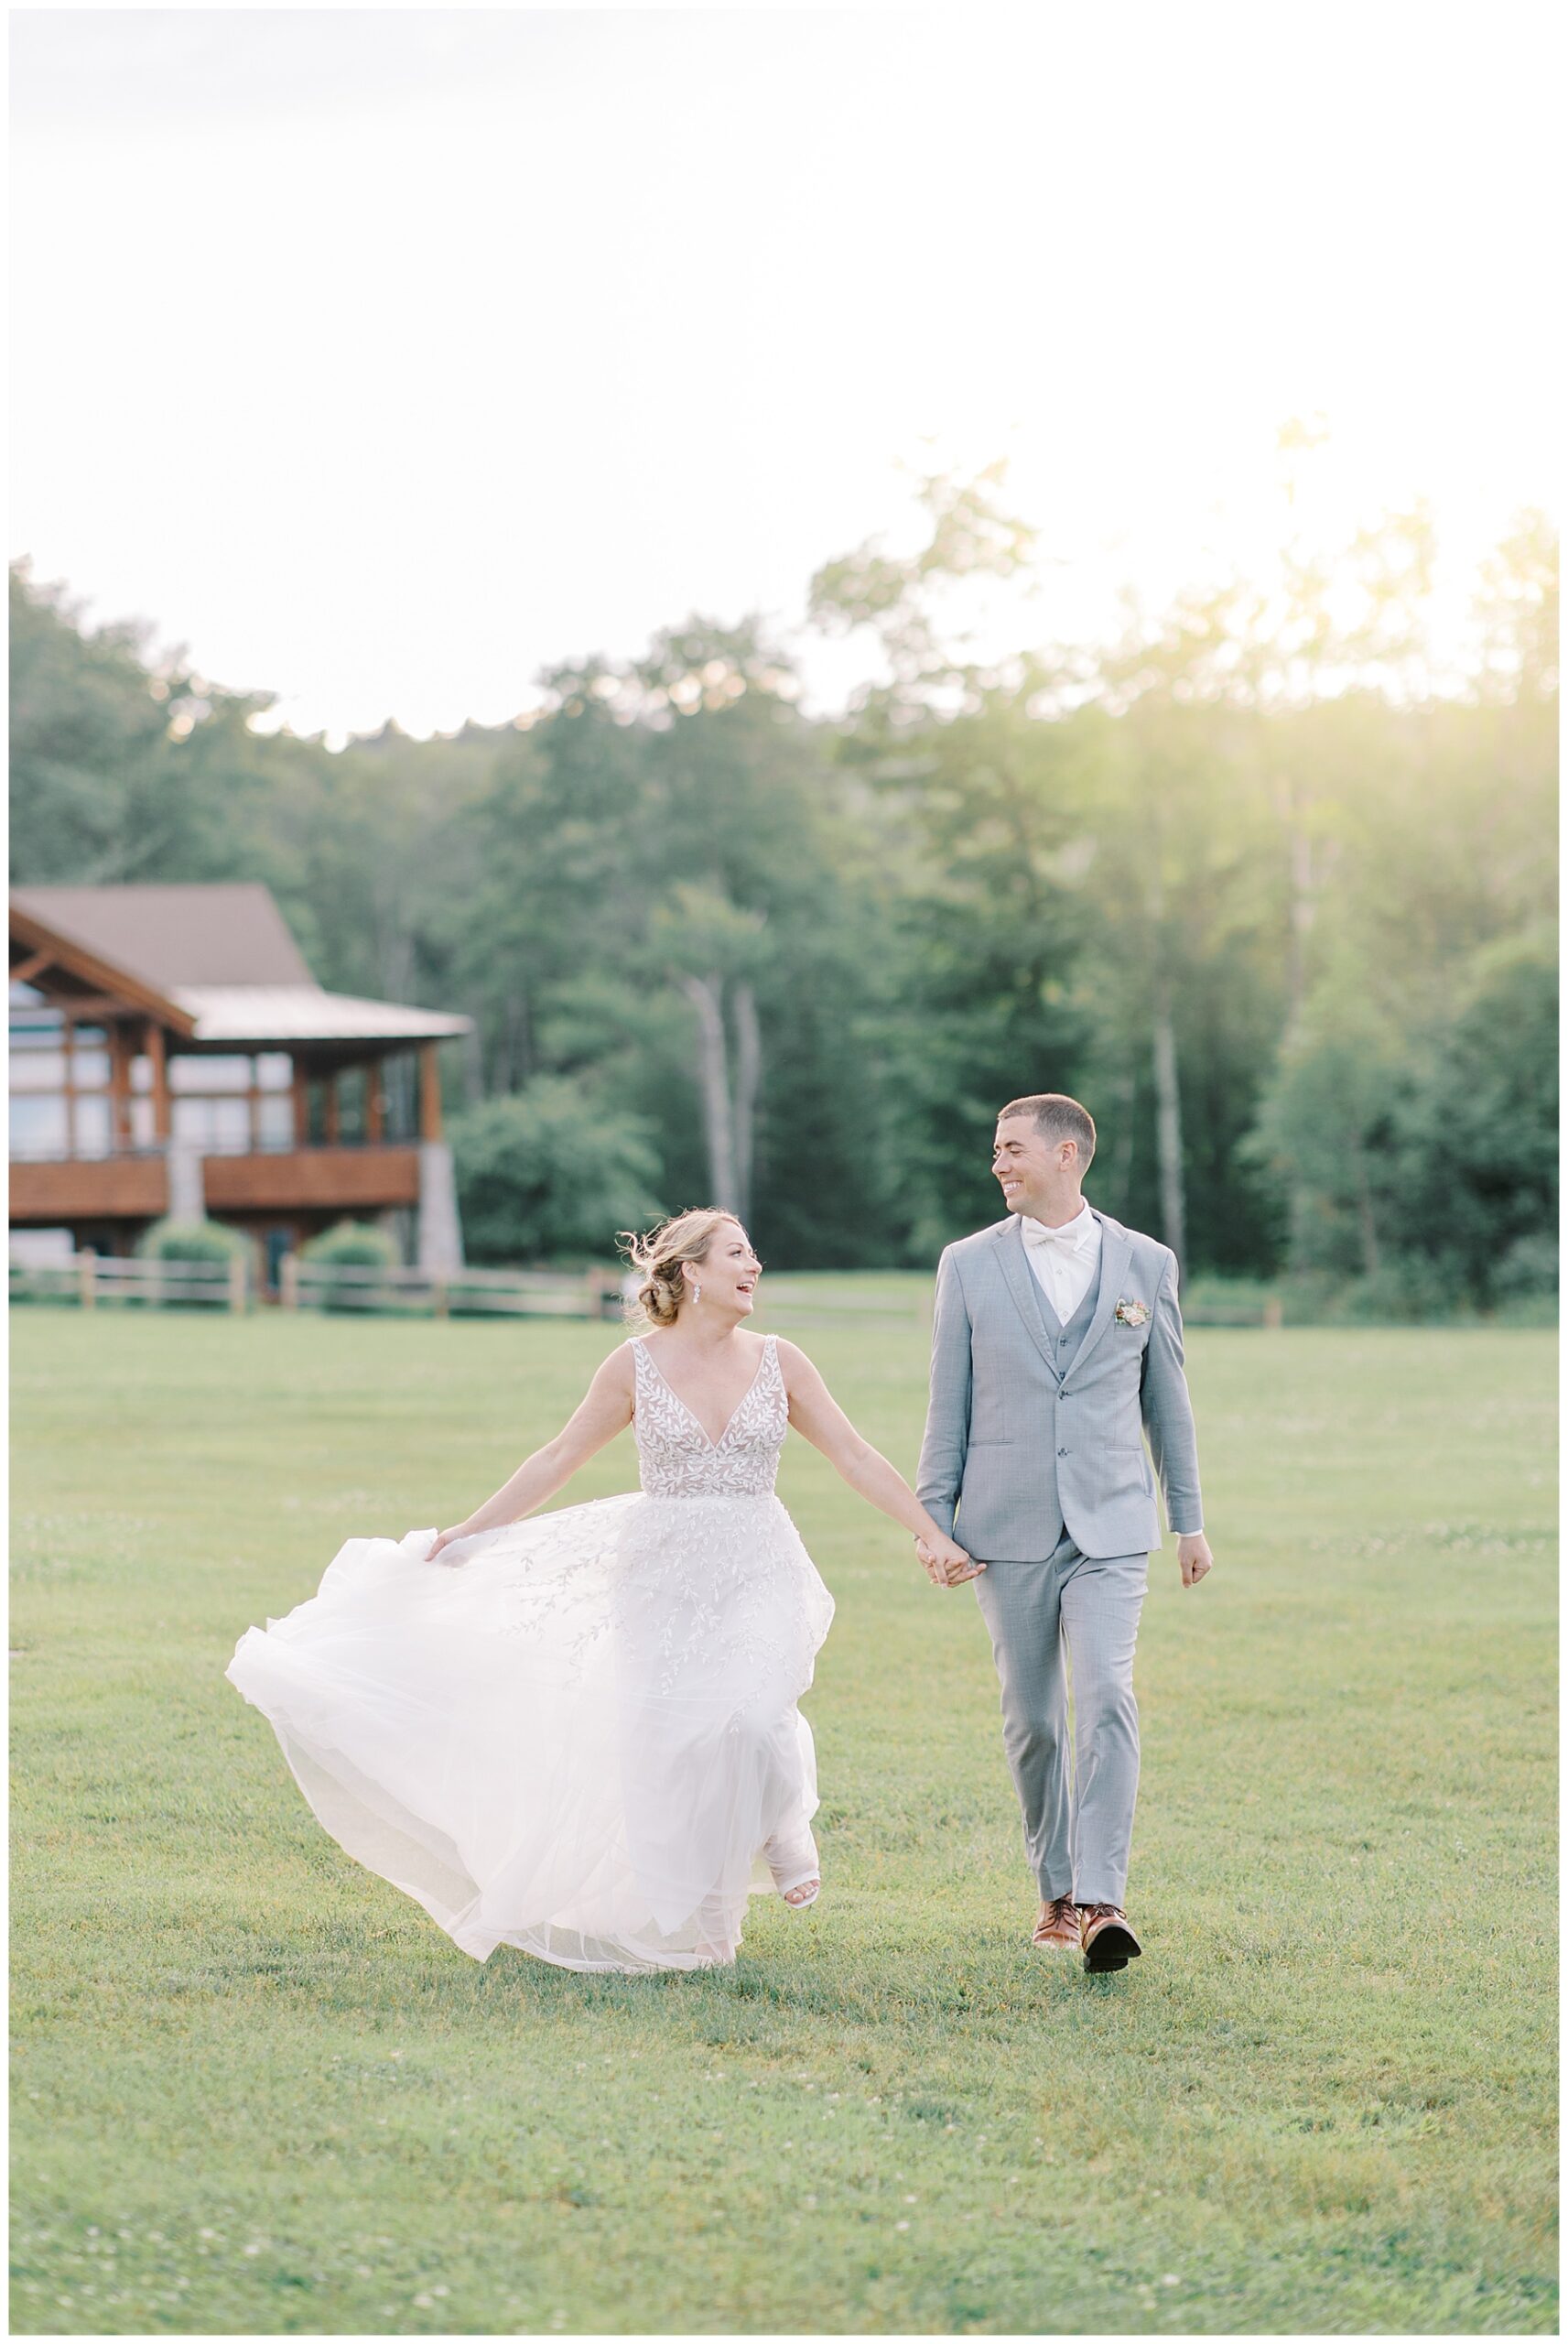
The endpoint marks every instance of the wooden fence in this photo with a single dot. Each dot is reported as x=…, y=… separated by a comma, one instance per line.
x=89, y=1279
x=534, y=1294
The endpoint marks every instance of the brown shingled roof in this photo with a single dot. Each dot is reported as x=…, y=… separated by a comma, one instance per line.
x=175, y=936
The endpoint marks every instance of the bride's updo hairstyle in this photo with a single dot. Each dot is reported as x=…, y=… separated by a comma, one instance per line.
x=659, y=1256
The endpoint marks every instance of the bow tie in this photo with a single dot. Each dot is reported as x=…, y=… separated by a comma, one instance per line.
x=1072, y=1234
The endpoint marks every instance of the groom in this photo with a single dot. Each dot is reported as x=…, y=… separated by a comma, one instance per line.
x=1057, y=1343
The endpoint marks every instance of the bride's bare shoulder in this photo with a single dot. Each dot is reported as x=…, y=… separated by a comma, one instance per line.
x=617, y=1371
x=796, y=1366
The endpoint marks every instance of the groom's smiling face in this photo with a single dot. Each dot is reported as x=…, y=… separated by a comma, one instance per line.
x=1031, y=1170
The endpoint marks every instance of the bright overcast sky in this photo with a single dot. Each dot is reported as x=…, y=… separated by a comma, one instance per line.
x=382, y=357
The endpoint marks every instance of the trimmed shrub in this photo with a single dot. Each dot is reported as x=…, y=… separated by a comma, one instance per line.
x=174, y=1241
x=191, y=1240
x=354, y=1245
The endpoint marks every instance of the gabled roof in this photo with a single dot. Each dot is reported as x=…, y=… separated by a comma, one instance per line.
x=216, y=963
x=175, y=936
x=40, y=951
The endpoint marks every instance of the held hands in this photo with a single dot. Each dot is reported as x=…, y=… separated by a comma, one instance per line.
x=1194, y=1556
x=946, y=1565
x=945, y=1562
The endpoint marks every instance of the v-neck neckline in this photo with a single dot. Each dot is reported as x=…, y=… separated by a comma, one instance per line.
x=714, y=1445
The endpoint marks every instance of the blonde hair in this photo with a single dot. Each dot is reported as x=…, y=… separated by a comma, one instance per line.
x=685, y=1237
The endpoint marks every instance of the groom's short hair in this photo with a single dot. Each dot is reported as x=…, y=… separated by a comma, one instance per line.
x=1057, y=1117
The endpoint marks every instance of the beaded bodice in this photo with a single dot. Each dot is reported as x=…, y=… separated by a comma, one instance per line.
x=676, y=1457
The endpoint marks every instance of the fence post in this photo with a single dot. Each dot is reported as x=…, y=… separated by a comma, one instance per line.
x=289, y=1283
x=439, y=1296
x=87, y=1277
x=237, y=1282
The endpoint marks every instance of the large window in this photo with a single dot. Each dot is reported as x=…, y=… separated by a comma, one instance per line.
x=60, y=1102
x=210, y=1077
x=215, y=1126
x=275, y=1122
x=230, y=1102
x=90, y=1057
x=37, y=1042
x=225, y=1103
x=65, y=1102
x=92, y=1116
x=38, y=1126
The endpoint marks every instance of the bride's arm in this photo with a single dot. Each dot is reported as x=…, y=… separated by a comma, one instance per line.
x=813, y=1412
x=605, y=1410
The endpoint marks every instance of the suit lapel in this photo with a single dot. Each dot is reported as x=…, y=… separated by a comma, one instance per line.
x=1115, y=1252
x=1025, y=1293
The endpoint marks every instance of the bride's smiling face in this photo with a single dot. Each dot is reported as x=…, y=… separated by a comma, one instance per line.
x=728, y=1276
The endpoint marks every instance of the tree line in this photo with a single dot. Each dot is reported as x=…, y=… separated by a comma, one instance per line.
x=1246, y=880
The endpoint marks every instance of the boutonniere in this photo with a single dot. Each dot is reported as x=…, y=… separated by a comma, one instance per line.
x=1133, y=1314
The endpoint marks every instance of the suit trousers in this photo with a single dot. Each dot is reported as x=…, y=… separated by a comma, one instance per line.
x=1082, y=1611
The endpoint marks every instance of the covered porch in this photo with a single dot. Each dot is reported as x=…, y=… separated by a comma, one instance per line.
x=277, y=1109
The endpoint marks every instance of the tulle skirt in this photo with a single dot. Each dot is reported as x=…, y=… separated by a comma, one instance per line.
x=577, y=1735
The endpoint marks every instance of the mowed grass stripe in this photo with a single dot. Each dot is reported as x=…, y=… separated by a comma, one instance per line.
x=257, y=2092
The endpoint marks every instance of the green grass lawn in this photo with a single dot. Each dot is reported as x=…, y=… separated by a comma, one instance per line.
x=256, y=2091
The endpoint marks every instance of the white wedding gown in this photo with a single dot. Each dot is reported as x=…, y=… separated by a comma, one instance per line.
x=578, y=1734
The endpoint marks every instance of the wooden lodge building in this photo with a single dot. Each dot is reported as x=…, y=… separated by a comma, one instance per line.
x=172, y=1054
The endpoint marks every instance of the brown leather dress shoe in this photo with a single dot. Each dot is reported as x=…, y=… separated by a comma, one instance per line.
x=1058, y=1925
x=1109, y=1941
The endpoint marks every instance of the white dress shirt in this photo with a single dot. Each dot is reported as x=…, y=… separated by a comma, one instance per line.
x=1062, y=1260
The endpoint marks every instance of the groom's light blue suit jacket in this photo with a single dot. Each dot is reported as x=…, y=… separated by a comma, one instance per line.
x=1026, y=1436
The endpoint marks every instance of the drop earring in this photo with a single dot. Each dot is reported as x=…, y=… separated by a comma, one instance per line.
x=696, y=1292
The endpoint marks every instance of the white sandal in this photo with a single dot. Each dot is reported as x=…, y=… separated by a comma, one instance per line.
x=798, y=1882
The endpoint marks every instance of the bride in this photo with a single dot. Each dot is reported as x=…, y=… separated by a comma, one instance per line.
x=578, y=1734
